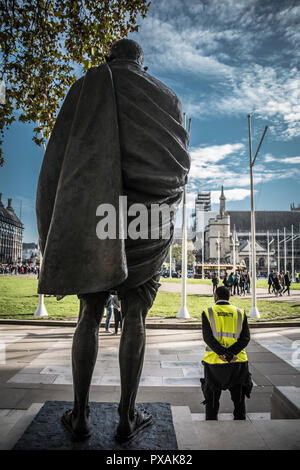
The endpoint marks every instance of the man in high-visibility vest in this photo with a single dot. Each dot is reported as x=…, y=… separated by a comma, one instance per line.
x=226, y=334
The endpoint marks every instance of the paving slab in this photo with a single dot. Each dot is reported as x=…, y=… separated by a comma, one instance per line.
x=228, y=435
x=11, y=398
x=283, y=434
x=278, y=380
x=185, y=431
x=32, y=379
x=20, y=426
x=276, y=368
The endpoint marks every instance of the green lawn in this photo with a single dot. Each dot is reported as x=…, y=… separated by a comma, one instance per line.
x=18, y=299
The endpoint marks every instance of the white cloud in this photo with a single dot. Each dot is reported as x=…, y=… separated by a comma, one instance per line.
x=287, y=160
x=235, y=194
x=270, y=93
x=269, y=158
x=228, y=44
x=227, y=165
x=190, y=200
x=291, y=160
x=215, y=153
x=169, y=48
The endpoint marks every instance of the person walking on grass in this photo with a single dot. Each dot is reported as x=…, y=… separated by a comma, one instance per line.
x=230, y=281
x=242, y=284
x=215, y=282
x=271, y=282
x=117, y=314
x=236, y=283
x=287, y=283
x=109, y=311
x=277, y=285
x=226, y=334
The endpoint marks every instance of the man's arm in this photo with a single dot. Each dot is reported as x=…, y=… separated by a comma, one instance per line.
x=211, y=341
x=243, y=340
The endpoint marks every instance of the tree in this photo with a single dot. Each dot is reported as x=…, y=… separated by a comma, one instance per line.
x=43, y=41
x=177, y=254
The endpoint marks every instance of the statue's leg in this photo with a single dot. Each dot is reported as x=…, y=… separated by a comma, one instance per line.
x=135, y=306
x=84, y=355
x=131, y=357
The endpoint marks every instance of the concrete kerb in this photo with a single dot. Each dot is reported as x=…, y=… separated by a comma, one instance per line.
x=156, y=324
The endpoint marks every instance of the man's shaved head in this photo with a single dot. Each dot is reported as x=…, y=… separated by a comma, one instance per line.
x=126, y=49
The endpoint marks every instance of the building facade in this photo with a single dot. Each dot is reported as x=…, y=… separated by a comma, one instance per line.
x=30, y=252
x=11, y=234
x=231, y=231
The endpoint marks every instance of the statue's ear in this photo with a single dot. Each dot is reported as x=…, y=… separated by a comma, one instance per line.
x=145, y=68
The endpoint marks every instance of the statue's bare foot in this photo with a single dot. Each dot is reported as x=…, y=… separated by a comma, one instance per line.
x=127, y=431
x=78, y=428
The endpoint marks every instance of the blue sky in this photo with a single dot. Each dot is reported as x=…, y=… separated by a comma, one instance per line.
x=224, y=59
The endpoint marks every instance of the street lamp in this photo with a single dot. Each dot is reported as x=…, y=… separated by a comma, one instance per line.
x=253, y=313
x=183, y=311
x=218, y=242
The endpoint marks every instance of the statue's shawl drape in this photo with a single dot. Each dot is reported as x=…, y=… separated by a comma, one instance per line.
x=118, y=133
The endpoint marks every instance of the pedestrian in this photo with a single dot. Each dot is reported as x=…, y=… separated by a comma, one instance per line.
x=226, y=334
x=297, y=277
x=277, y=285
x=225, y=280
x=109, y=311
x=230, y=282
x=270, y=281
x=236, y=282
x=248, y=280
x=215, y=282
x=242, y=284
x=287, y=283
x=117, y=314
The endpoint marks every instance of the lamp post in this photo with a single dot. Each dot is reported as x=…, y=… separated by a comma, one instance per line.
x=268, y=246
x=269, y=243
x=183, y=311
x=284, y=248
x=218, y=242
x=278, y=255
x=203, y=253
x=253, y=313
x=293, y=260
x=41, y=310
x=250, y=264
x=233, y=249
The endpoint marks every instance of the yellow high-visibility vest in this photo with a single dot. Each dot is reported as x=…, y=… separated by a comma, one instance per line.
x=226, y=324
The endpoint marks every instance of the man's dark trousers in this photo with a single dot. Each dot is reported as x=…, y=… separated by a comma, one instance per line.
x=212, y=403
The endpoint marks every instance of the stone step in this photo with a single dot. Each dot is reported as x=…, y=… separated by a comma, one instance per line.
x=229, y=416
x=277, y=434
x=192, y=432
x=13, y=423
x=258, y=432
x=285, y=402
x=186, y=435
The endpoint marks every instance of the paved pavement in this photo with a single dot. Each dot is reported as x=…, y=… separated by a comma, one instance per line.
x=35, y=367
x=205, y=289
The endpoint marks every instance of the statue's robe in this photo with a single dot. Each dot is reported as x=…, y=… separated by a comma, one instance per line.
x=119, y=132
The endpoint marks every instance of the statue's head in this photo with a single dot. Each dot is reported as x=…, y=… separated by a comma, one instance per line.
x=126, y=49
